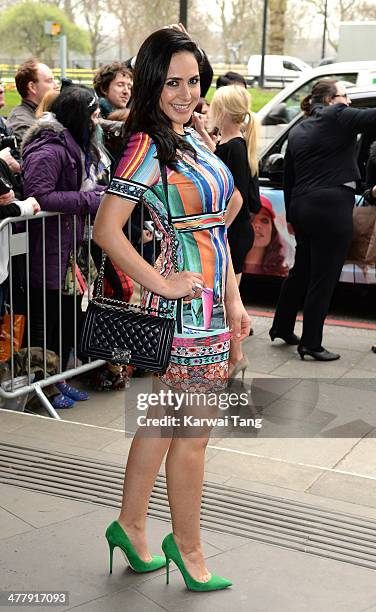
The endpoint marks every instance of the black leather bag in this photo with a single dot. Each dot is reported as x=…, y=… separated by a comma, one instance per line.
x=125, y=333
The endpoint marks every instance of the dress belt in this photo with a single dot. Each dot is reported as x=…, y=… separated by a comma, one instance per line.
x=193, y=223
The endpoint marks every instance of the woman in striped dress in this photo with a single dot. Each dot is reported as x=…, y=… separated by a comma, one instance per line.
x=166, y=91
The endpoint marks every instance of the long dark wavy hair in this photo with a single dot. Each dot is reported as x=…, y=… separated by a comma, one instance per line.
x=150, y=73
x=73, y=108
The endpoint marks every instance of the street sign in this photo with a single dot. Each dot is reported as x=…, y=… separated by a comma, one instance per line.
x=52, y=28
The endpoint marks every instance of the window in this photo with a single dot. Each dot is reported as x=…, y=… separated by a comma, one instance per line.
x=290, y=66
x=292, y=103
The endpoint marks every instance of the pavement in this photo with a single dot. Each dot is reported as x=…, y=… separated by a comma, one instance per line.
x=316, y=446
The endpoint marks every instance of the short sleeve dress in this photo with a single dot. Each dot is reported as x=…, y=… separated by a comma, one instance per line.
x=198, y=191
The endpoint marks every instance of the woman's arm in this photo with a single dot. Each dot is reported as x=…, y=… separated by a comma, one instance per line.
x=233, y=207
x=112, y=215
x=239, y=321
x=40, y=177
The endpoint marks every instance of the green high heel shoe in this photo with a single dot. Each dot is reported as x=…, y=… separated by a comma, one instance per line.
x=116, y=536
x=171, y=551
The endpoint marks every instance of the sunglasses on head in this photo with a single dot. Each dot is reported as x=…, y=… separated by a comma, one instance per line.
x=93, y=102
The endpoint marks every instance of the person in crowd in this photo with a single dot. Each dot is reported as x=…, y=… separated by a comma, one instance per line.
x=203, y=108
x=166, y=89
x=3, y=126
x=59, y=169
x=200, y=122
x=319, y=185
x=43, y=109
x=230, y=111
x=113, y=85
x=8, y=151
x=370, y=193
x=267, y=253
x=33, y=79
x=231, y=78
x=9, y=207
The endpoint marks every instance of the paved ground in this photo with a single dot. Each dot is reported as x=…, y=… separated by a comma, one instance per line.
x=317, y=446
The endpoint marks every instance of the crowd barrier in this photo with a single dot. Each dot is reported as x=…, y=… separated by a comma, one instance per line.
x=15, y=231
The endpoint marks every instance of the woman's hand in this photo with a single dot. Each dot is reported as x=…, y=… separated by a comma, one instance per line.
x=185, y=284
x=12, y=163
x=34, y=203
x=147, y=236
x=239, y=321
x=7, y=198
x=198, y=123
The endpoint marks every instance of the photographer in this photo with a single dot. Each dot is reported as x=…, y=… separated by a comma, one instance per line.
x=9, y=207
x=8, y=143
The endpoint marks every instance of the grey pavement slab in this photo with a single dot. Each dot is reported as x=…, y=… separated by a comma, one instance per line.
x=271, y=579
x=49, y=509
x=261, y=469
x=296, y=367
x=361, y=459
x=10, y=524
x=346, y=487
x=368, y=361
x=120, y=601
x=72, y=555
x=312, y=451
x=267, y=357
x=87, y=437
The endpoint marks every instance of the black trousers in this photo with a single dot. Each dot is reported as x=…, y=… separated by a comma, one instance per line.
x=322, y=221
x=68, y=304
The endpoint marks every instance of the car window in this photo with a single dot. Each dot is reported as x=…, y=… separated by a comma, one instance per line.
x=292, y=103
x=364, y=141
x=369, y=102
x=290, y=66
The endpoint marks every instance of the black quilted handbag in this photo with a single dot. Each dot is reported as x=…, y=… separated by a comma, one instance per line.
x=125, y=333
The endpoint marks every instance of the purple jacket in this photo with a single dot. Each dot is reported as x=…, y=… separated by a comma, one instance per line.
x=52, y=173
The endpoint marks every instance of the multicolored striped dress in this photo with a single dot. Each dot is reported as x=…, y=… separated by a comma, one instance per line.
x=198, y=191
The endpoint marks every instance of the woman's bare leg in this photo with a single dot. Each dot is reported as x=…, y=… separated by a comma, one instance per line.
x=185, y=473
x=144, y=460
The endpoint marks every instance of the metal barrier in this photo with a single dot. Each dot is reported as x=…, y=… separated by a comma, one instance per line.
x=18, y=244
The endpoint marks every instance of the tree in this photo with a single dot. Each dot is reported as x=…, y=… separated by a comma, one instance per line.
x=240, y=25
x=22, y=29
x=93, y=12
x=276, y=26
x=343, y=10
x=137, y=20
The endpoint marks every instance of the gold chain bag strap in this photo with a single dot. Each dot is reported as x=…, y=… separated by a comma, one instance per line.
x=125, y=333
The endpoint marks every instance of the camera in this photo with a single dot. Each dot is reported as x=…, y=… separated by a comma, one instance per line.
x=7, y=141
x=5, y=187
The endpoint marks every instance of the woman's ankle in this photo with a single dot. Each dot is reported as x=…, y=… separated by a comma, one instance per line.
x=134, y=526
x=187, y=547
